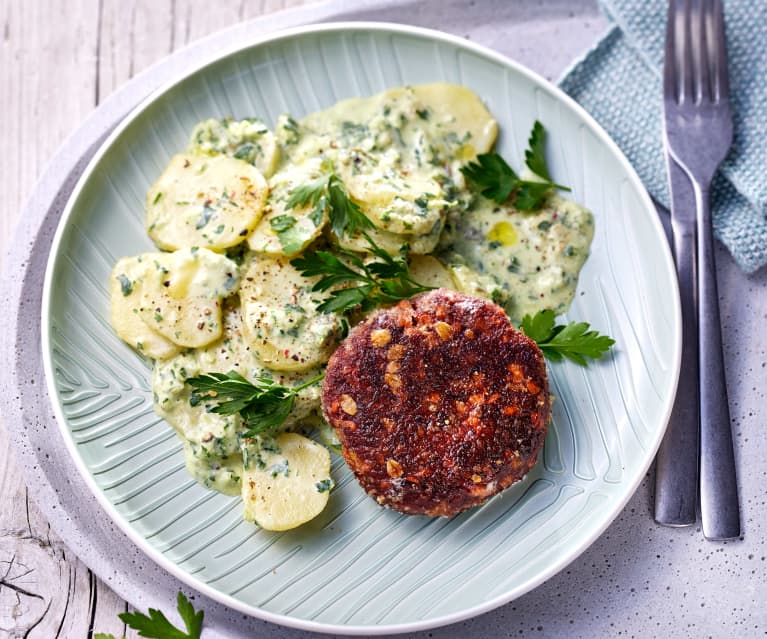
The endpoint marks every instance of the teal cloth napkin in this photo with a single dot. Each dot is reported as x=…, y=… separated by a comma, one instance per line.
x=620, y=83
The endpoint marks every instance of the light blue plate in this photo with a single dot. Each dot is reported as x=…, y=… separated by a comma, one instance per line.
x=360, y=569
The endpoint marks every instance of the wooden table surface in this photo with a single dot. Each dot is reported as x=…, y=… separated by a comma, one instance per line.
x=58, y=61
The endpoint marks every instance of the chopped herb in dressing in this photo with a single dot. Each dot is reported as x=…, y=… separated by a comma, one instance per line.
x=126, y=286
x=324, y=486
x=205, y=216
x=283, y=468
x=282, y=223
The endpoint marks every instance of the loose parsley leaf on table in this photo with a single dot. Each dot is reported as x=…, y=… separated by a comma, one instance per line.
x=573, y=341
x=157, y=626
x=499, y=182
x=263, y=405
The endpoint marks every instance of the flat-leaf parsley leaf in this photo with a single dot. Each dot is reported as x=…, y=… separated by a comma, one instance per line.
x=157, y=626
x=499, y=182
x=385, y=280
x=263, y=404
x=328, y=193
x=573, y=341
x=282, y=223
x=535, y=155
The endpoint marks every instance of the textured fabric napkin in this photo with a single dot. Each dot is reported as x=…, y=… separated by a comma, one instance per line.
x=620, y=83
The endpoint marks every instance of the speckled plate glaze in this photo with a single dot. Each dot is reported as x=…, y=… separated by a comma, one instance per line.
x=360, y=569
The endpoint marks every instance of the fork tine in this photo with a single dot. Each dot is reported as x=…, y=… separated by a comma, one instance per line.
x=678, y=64
x=669, y=56
x=718, y=52
x=701, y=52
x=685, y=52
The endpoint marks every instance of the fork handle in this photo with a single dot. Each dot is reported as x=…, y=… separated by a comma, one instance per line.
x=719, y=509
x=676, y=470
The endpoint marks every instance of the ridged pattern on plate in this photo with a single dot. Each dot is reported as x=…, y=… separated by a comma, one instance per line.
x=358, y=564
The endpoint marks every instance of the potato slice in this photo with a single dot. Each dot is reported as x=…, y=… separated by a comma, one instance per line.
x=126, y=288
x=459, y=111
x=470, y=282
x=182, y=293
x=248, y=139
x=285, y=231
x=280, y=318
x=446, y=119
x=429, y=271
x=397, y=204
x=392, y=243
x=211, y=202
x=286, y=482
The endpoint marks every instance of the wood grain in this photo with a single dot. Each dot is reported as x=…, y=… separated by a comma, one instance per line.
x=57, y=62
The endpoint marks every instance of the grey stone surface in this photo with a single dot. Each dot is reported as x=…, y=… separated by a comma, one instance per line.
x=637, y=580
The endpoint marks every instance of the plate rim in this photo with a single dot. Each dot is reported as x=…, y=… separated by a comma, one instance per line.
x=170, y=566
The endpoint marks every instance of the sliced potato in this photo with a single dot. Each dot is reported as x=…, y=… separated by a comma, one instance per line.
x=458, y=110
x=284, y=231
x=287, y=483
x=211, y=202
x=182, y=293
x=429, y=271
x=392, y=243
x=469, y=281
x=395, y=203
x=280, y=318
x=126, y=287
x=249, y=140
x=450, y=117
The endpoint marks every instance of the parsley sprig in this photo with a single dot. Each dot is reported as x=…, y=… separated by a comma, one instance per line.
x=157, y=626
x=573, y=341
x=383, y=281
x=328, y=193
x=499, y=182
x=263, y=405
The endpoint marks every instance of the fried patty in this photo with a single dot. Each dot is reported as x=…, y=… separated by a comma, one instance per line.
x=439, y=403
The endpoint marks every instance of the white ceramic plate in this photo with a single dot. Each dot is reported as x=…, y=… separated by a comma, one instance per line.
x=360, y=569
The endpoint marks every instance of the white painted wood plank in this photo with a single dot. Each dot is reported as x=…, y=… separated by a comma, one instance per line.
x=131, y=37
x=57, y=61
x=45, y=591
x=46, y=74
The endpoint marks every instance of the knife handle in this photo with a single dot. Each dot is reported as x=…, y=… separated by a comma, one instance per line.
x=719, y=508
x=676, y=470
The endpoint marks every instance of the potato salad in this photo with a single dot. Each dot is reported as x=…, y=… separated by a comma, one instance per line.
x=258, y=227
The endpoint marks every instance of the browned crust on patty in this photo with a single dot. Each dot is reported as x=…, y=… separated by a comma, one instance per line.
x=439, y=403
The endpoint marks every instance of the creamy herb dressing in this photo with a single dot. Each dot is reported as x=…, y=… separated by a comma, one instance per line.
x=534, y=258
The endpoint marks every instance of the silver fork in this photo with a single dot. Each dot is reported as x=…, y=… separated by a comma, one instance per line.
x=698, y=134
